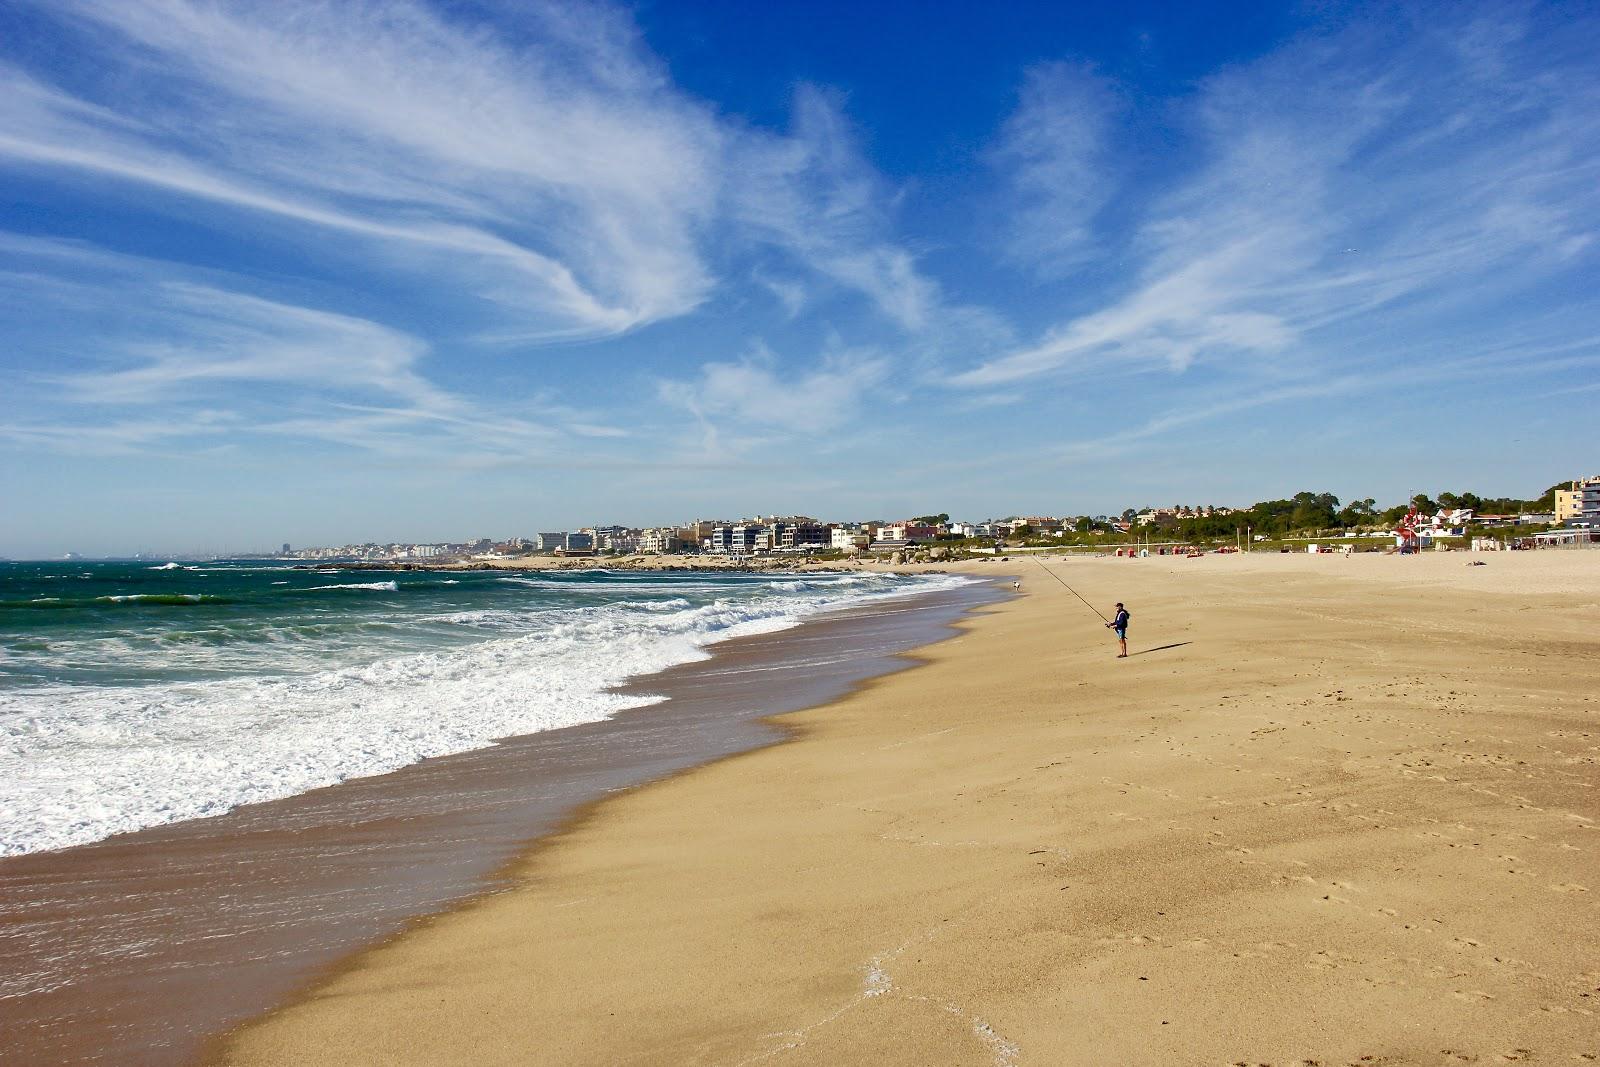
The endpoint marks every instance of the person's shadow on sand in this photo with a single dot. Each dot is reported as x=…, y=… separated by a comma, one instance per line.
x=1159, y=648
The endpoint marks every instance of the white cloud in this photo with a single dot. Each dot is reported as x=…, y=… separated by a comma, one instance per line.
x=563, y=177
x=212, y=336
x=122, y=437
x=813, y=195
x=757, y=398
x=196, y=359
x=1342, y=179
x=1054, y=151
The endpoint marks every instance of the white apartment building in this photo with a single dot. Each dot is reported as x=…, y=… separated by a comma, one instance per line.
x=659, y=541
x=844, y=538
x=626, y=542
x=738, y=539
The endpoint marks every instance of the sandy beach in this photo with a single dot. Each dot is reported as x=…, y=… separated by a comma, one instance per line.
x=1332, y=811
x=139, y=948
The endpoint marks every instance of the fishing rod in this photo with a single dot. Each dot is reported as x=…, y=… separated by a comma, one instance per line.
x=1069, y=588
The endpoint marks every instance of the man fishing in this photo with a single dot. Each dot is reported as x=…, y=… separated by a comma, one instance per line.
x=1120, y=624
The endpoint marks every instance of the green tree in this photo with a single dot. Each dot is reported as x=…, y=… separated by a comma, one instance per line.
x=1359, y=513
x=1313, y=511
x=1547, y=502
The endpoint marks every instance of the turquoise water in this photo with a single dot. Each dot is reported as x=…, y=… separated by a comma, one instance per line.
x=134, y=694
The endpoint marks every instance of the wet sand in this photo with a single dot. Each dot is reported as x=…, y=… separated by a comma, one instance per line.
x=136, y=949
x=1332, y=811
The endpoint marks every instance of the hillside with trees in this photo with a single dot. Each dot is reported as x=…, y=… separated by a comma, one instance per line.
x=1308, y=514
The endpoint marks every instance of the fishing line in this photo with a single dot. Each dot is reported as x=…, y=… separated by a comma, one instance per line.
x=1069, y=588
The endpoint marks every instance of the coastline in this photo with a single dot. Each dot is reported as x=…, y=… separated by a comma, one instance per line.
x=140, y=947
x=1323, y=814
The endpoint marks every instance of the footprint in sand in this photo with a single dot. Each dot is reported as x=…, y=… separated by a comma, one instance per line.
x=1570, y=887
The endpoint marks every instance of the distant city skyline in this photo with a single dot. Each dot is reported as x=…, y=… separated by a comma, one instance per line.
x=332, y=273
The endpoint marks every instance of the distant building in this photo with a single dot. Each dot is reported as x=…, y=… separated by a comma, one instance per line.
x=747, y=537
x=549, y=542
x=285, y=550
x=848, y=537
x=578, y=542
x=797, y=533
x=1569, y=503
x=738, y=539
x=1580, y=502
x=660, y=541
x=908, y=531
x=699, y=530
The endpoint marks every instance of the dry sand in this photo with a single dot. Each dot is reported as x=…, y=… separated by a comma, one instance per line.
x=1351, y=817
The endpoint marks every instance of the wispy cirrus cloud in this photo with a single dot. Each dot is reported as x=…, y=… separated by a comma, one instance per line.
x=211, y=336
x=1055, y=152
x=551, y=178
x=174, y=354
x=760, y=403
x=812, y=194
x=1344, y=185
x=562, y=178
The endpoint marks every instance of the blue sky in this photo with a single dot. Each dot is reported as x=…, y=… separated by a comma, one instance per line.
x=346, y=271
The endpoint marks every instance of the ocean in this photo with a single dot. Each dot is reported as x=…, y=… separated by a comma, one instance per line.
x=139, y=694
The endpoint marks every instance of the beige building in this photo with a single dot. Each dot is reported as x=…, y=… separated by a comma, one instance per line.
x=1569, y=502
x=661, y=539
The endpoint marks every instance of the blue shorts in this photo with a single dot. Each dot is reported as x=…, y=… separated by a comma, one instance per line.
x=1122, y=633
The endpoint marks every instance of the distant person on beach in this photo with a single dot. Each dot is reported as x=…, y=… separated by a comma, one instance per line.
x=1120, y=624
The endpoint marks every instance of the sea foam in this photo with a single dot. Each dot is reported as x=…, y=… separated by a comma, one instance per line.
x=81, y=763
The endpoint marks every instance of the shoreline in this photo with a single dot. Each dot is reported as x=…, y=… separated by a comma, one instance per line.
x=147, y=944
x=901, y=562
x=1323, y=813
